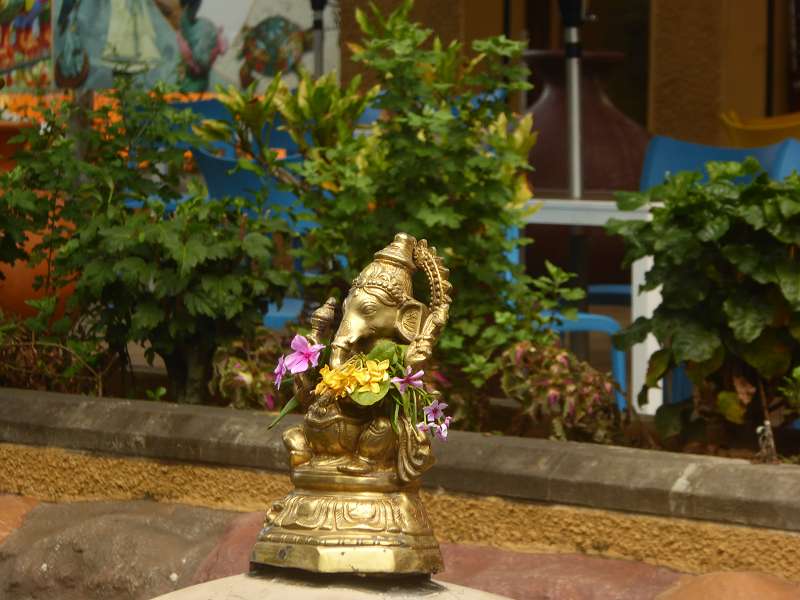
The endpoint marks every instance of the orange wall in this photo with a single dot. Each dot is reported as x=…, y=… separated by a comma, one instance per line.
x=705, y=57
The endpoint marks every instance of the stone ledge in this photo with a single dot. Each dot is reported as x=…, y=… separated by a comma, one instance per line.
x=614, y=478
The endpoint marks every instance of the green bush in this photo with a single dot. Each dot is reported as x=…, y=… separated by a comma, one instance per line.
x=553, y=386
x=726, y=260
x=439, y=164
x=180, y=281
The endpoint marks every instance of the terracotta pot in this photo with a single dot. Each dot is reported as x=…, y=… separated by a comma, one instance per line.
x=613, y=152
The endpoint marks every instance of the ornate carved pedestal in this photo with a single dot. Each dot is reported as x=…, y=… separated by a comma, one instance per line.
x=369, y=525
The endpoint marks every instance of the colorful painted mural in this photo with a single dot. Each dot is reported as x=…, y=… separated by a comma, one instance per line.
x=25, y=44
x=194, y=44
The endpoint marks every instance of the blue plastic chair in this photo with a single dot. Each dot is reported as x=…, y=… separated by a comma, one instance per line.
x=667, y=155
x=223, y=181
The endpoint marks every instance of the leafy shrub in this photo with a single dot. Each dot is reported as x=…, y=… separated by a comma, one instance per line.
x=33, y=356
x=553, y=386
x=444, y=162
x=153, y=261
x=726, y=259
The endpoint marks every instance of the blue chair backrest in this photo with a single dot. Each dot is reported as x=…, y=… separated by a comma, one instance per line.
x=222, y=182
x=667, y=155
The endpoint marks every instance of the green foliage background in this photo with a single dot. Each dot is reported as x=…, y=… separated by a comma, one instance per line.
x=726, y=259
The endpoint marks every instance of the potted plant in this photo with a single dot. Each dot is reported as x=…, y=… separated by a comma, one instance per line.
x=726, y=258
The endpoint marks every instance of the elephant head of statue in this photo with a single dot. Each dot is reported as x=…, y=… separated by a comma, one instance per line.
x=381, y=303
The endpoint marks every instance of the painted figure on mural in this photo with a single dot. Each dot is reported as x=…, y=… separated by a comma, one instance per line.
x=72, y=62
x=200, y=43
x=131, y=45
x=271, y=46
x=24, y=31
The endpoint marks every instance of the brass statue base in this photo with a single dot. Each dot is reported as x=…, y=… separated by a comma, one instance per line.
x=369, y=525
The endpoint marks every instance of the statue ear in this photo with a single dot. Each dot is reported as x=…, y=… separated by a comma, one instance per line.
x=410, y=318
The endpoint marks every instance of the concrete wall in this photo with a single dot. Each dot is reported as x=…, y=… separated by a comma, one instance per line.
x=691, y=513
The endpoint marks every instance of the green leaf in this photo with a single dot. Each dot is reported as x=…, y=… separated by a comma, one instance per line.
x=788, y=273
x=714, y=228
x=631, y=200
x=382, y=350
x=287, y=408
x=769, y=354
x=747, y=316
x=789, y=207
x=669, y=419
x=658, y=365
x=368, y=398
x=694, y=342
x=699, y=371
x=147, y=316
x=794, y=326
x=633, y=334
x=257, y=246
x=730, y=407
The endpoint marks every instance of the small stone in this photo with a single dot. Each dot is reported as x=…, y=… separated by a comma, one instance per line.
x=43, y=568
x=173, y=577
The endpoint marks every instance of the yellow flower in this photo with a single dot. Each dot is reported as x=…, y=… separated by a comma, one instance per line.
x=351, y=376
x=338, y=381
x=370, y=376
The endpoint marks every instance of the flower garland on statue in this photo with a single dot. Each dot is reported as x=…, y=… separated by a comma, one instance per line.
x=378, y=378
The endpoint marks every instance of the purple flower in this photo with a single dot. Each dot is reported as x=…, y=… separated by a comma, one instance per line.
x=280, y=371
x=414, y=380
x=304, y=356
x=440, y=431
x=553, y=396
x=269, y=401
x=434, y=411
x=423, y=427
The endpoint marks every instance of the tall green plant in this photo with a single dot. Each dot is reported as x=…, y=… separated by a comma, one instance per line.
x=446, y=161
x=726, y=258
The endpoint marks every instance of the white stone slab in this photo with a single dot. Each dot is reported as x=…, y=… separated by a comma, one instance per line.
x=274, y=587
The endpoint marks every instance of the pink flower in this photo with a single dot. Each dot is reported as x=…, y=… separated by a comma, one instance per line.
x=269, y=401
x=280, y=371
x=553, y=396
x=423, y=427
x=414, y=380
x=440, y=431
x=304, y=356
x=562, y=358
x=437, y=376
x=519, y=352
x=434, y=411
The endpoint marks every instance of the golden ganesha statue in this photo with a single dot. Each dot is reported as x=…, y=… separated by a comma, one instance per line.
x=357, y=458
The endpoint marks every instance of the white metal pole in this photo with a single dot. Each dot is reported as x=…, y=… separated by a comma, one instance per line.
x=318, y=41
x=575, y=159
